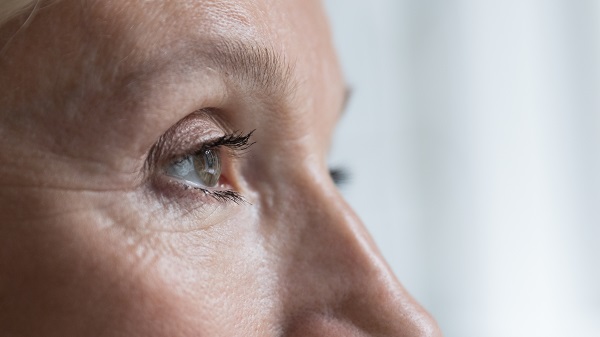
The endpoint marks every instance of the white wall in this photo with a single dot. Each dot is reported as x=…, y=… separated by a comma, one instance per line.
x=474, y=141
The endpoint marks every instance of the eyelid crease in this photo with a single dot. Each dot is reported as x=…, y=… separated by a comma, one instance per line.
x=181, y=139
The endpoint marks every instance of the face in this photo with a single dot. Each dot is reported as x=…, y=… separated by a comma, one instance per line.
x=163, y=173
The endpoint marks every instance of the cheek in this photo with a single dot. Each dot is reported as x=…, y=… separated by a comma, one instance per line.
x=225, y=275
x=61, y=280
x=85, y=273
x=216, y=279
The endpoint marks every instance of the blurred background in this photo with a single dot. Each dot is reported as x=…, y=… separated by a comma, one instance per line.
x=473, y=139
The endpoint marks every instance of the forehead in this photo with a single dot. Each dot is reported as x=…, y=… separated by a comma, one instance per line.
x=293, y=30
x=294, y=33
x=133, y=30
x=109, y=52
x=266, y=21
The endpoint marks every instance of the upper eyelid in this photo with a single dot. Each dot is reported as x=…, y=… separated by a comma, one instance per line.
x=159, y=156
x=201, y=129
x=179, y=140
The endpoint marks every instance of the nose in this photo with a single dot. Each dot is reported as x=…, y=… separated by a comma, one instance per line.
x=335, y=281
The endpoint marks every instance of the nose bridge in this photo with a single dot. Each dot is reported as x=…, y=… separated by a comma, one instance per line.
x=336, y=275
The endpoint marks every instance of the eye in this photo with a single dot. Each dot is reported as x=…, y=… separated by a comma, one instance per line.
x=339, y=175
x=200, y=170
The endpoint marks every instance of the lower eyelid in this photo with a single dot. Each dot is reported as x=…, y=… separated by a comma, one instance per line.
x=174, y=189
x=191, y=208
x=171, y=191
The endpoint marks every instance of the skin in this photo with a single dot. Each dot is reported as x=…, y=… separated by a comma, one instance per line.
x=95, y=239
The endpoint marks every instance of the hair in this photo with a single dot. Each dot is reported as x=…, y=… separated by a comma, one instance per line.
x=12, y=8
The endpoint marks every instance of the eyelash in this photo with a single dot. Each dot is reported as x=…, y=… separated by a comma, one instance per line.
x=238, y=143
x=235, y=141
x=340, y=176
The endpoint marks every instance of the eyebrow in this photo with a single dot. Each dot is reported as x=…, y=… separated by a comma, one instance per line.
x=257, y=66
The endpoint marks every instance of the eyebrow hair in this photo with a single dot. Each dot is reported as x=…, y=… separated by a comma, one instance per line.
x=258, y=66
x=262, y=68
